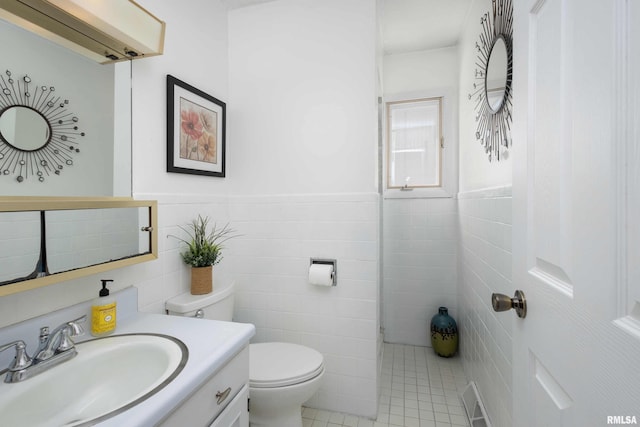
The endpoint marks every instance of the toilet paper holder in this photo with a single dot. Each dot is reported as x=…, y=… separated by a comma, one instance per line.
x=327, y=261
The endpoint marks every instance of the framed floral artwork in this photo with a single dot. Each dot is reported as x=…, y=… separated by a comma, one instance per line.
x=195, y=130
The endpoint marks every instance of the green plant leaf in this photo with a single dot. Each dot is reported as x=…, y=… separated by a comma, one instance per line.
x=204, y=248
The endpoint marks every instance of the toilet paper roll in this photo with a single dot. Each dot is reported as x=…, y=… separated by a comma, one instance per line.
x=321, y=274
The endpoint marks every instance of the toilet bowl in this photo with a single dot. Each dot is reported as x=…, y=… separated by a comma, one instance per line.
x=282, y=376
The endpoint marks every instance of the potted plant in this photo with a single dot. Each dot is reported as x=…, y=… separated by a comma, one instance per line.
x=204, y=250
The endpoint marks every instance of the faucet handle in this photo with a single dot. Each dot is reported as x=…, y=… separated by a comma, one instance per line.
x=22, y=359
x=75, y=326
x=66, y=343
x=73, y=329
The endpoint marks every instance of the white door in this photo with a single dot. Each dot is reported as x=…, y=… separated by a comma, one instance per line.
x=576, y=217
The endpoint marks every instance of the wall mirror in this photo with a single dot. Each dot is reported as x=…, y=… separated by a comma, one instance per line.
x=492, y=89
x=65, y=166
x=49, y=240
x=65, y=120
x=38, y=134
x=496, y=78
x=24, y=128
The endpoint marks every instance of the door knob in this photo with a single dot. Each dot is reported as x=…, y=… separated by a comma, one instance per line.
x=501, y=302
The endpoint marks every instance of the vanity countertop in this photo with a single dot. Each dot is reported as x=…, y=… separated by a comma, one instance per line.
x=211, y=345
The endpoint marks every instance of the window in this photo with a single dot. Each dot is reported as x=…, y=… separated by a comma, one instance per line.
x=414, y=143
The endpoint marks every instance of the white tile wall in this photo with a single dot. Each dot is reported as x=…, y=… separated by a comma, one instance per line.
x=270, y=267
x=90, y=236
x=419, y=266
x=169, y=276
x=74, y=238
x=484, y=268
x=19, y=257
x=269, y=263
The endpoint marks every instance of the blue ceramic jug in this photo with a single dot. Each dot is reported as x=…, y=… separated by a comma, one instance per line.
x=444, y=333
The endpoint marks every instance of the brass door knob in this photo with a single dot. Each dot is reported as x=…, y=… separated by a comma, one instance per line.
x=501, y=302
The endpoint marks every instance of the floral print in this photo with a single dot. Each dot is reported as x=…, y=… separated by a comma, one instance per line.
x=207, y=148
x=198, y=132
x=191, y=124
x=208, y=120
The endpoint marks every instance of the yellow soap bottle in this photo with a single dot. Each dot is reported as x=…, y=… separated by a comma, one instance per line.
x=103, y=312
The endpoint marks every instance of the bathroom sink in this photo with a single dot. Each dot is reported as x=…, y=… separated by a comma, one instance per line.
x=108, y=376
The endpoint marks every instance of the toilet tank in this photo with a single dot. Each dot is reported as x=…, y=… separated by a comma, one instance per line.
x=217, y=305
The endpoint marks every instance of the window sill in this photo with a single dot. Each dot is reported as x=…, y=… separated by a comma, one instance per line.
x=417, y=193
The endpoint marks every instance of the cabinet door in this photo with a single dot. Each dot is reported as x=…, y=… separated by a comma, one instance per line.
x=236, y=414
x=202, y=406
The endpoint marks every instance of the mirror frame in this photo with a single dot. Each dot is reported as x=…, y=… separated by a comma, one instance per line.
x=493, y=129
x=63, y=141
x=27, y=203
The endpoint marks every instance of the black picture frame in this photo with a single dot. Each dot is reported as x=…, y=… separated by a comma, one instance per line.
x=196, y=130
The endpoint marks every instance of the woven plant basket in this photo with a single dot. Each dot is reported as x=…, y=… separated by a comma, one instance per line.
x=201, y=280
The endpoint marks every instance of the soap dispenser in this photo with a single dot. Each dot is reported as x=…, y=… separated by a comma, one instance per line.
x=103, y=312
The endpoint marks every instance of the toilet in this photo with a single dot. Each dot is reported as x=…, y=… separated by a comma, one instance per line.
x=282, y=376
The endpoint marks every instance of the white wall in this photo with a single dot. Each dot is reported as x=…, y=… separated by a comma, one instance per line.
x=302, y=82
x=419, y=262
x=420, y=234
x=303, y=124
x=195, y=52
x=484, y=254
x=271, y=262
x=485, y=267
x=422, y=70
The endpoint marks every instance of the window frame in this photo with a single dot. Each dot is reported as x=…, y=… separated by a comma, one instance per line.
x=439, y=139
x=448, y=146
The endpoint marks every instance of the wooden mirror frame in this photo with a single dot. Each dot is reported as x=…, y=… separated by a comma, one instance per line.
x=20, y=203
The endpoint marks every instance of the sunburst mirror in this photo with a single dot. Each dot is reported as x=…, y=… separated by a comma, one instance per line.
x=492, y=89
x=38, y=134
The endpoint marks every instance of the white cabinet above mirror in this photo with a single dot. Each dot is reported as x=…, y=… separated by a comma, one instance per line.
x=102, y=30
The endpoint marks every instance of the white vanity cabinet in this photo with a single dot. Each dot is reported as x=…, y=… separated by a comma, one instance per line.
x=236, y=414
x=221, y=401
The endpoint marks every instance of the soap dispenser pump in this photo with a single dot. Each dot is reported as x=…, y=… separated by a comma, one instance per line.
x=103, y=312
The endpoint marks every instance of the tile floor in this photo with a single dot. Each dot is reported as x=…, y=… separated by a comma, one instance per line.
x=417, y=389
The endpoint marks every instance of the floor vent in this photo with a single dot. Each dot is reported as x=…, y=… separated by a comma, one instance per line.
x=473, y=407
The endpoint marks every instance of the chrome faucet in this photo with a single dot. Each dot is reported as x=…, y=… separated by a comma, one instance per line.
x=59, y=340
x=52, y=350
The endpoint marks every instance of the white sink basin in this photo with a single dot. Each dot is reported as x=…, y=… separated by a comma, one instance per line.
x=109, y=375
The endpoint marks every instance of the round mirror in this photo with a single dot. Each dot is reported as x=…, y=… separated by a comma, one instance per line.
x=496, y=76
x=24, y=128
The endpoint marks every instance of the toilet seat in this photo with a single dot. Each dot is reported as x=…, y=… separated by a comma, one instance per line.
x=277, y=364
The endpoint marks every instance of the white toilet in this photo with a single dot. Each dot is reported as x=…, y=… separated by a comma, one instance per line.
x=282, y=376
